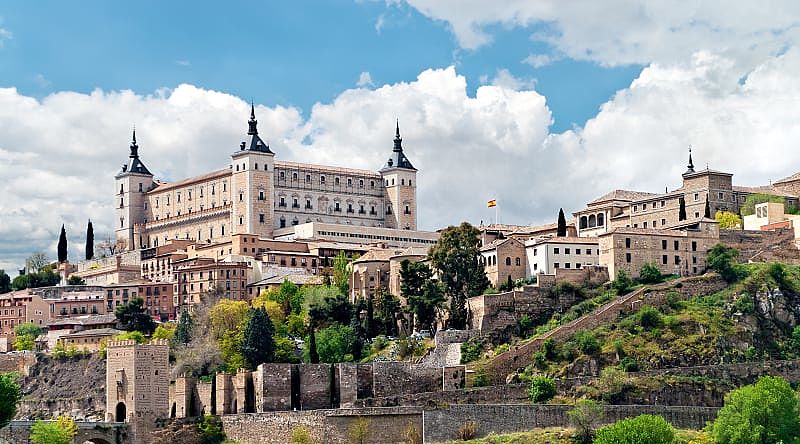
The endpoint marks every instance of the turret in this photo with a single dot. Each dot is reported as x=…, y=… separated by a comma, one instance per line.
x=252, y=183
x=132, y=183
x=400, y=185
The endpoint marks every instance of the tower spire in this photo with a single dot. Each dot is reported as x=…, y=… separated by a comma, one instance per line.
x=134, y=145
x=398, y=141
x=691, y=164
x=252, y=123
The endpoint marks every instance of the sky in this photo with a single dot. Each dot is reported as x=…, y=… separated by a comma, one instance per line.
x=539, y=104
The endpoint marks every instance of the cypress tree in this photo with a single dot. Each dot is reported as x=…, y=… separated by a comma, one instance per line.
x=682, y=209
x=708, y=210
x=562, y=224
x=258, y=342
x=89, y=241
x=369, y=322
x=62, y=245
x=183, y=332
x=313, y=356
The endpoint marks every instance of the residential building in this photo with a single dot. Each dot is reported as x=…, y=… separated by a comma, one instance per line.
x=545, y=255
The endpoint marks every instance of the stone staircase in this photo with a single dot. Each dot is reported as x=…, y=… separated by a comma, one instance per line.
x=520, y=356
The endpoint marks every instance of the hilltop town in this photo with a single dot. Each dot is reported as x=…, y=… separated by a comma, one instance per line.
x=276, y=301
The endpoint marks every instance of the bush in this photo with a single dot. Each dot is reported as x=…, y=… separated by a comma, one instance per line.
x=468, y=430
x=480, y=379
x=549, y=349
x=542, y=389
x=766, y=411
x=586, y=342
x=211, y=429
x=628, y=364
x=412, y=435
x=650, y=274
x=471, y=350
x=586, y=415
x=643, y=429
x=623, y=283
x=612, y=383
x=649, y=318
x=722, y=259
x=745, y=304
x=301, y=435
x=359, y=431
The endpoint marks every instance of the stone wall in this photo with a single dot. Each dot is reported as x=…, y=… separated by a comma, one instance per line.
x=273, y=387
x=384, y=426
x=315, y=386
x=397, y=378
x=444, y=337
x=759, y=246
x=443, y=424
x=74, y=386
x=17, y=362
x=519, y=356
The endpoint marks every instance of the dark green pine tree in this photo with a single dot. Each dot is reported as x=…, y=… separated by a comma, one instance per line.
x=183, y=332
x=681, y=209
x=89, y=241
x=369, y=322
x=258, y=342
x=562, y=224
x=313, y=355
x=62, y=245
x=708, y=210
x=133, y=317
x=358, y=331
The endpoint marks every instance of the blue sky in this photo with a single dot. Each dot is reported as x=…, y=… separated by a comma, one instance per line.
x=279, y=52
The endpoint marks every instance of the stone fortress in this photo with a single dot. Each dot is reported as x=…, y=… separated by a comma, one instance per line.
x=257, y=194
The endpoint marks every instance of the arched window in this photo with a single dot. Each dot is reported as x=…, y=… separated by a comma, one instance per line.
x=518, y=262
x=583, y=222
x=592, y=221
x=600, y=219
x=255, y=166
x=508, y=261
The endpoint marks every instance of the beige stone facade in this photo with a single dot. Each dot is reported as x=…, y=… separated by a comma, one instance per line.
x=257, y=194
x=681, y=251
x=503, y=258
x=380, y=268
x=137, y=381
x=194, y=277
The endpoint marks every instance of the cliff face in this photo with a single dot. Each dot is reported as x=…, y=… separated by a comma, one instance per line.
x=73, y=386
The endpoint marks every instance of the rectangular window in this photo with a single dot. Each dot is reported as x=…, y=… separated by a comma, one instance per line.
x=676, y=245
x=261, y=218
x=577, y=251
x=567, y=265
x=556, y=265
x=677, y=260
x=556, y=250
x=664, y=259
x=627, y=242
x=635, y=207
x=588, y=251
x=663, y=222
x=627, y=257
x=663, y=244
x=696, y=197
x=663, y=203
x=694, y=245
x=644, y=224
x=566, y=251
x=721, y=196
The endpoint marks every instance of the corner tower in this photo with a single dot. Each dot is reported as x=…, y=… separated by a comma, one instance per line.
x=131, y=185
x=400, y=185
x=252, y=172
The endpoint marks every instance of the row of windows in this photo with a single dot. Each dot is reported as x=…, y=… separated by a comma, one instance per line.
x=566, y=265
x=189, y=194
x=376, y=237
x=676, y=244
x=592, y=221
x=567, y=250
x=492, y=260
x=664, y=259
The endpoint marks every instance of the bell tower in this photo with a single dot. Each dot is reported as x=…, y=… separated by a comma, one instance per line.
x=132, y=183
x=400, y=188
x=252, y=172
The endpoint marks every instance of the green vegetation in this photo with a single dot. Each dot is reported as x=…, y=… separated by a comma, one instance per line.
x=62, y=245
x=60, y=431
x=10, y=394
x=25, y=336
x=89, y=241
x=5, y=282
x=471, y=350
x=585, y=417
x=425, y=295
x=301, y=435
x=643, y=429
x=542, y=389
x=335, y=343
x=75, y=280
x=722, y=259
x=211, y=429
x=650, y=274
x=749, y=206
x=258, y=344
x=623, y=283
x=728, y=220
x=133, y=317
x=765, y=412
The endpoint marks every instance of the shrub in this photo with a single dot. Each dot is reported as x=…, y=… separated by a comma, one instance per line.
x=549, y=349
x=539, y=360
x=745, y=304
x=412, y=434
x=211, y=429
x=623, y=283
x=542, y=389
x=766, y=411
x=60, y=431
x=643, y=429
x=722, y=259
x=650, y=274
x=525, y=325
x=628, y=364
x=471, y=350
x=649, y=318
x=301, y=435
x=586, y=415
x=612, y=384
x=359, y=432
x=480, y=379
x=468, y=430
x=586, y=342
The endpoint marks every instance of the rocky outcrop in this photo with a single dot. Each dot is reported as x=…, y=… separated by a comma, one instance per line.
x=73, y=386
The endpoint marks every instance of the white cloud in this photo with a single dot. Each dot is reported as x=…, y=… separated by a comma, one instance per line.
x=365, y=80
x=41, y=80
x=629, y=31
x=183, y=62
x=380, y=23
x=5, y=35
x=540, y=60
x=505, y=79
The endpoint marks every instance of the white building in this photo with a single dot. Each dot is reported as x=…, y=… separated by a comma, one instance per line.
x=545, y=255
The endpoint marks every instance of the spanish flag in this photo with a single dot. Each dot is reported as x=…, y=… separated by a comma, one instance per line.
x=492, y=203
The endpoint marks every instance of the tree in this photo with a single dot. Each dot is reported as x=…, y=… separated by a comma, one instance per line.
x=76, y=280
x=561, y=231
x=62, y=245
x=585, y=417
x=341, y=272
x=707, y=213
x=643, y=429
x=335, y=344
x=165, y=331
x=749, y=205
x=456, y=256
x=258, y=343
x=542, y=389
x=331, y=309
x=228, y=315
x=183, y=332
x=369, y=321
x=722, y=259
x=313, y=354
x=10, y=394
x=5, y=282
x=649, y=274
x=681, y=209
x=728, y=220
x=89, y=241
x=388, y=307
x=764, y=412
x=25, y=336
x=36, y=262
x=359, y=431
x=133, y=317
x=424, y=296
x=623, y=283
x=60, y=431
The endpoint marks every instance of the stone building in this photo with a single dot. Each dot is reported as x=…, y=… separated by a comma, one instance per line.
x=196, y=276
x=772, y=216
x=137, y=381
x=380, y=268
x=547, y=254
x=635, y=209
x=681, y=250
x=19, y=307
x=502, y=258
x=257, y=194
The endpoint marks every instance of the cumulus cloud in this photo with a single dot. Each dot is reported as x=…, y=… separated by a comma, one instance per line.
x=629, y=31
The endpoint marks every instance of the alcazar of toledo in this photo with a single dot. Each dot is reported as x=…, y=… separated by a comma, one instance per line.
x=259, y=195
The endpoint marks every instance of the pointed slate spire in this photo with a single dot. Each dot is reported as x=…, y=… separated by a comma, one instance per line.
x=398, y=141
x=398, y=159
x=253, y=141
x=691, y=164
x=135, y=165
x=252, y=123
x=134, y=145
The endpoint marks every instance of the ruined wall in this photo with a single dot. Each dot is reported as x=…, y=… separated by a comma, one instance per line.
x=396, y=378
x=384, y=426
x=315, y=386
x=444, y=337
x=443, y=424
x=273, y=387
x=17, y=362
x=758, y=246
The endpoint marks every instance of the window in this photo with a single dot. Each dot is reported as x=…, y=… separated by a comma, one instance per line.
x=567, y=265
x=566, y=251
x=321, y=179
x=308, y=178
x=241, y=197
x=336, y=181
x=696, y=214
x=408, y=210
x=556, y=250
x=336, y=207
x=663, y=244
x=295, y=204
x=663, y=222
x=627, y=242
x=282, y=202
x=179, y=196
x=372, y=184
x=588, y=251
x=676, y=244
x=664, y=259
x=349, y=182
x=349, y=208
x=721, y=195
x=556, y=265
x=696, y=197
x=694, y=245
x=677, y=260
x=627, y=257
x=213, y=189
x=508, y=261
x=260, y=194
x=518, y=262
x=361, y=183
x=644, y=224
x=282, y=175
x=241, y=220
x=283, y=223
x=294, y=176
x=654, y=205
x=654, y=224
x=308, y=204
x=635, y=207
x=261, y=218
x=577, y=251
x=140, y=187
x=224, y=186
x=663, y=203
